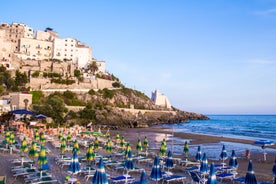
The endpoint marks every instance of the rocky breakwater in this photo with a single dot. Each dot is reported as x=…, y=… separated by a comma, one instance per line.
x=122, y=118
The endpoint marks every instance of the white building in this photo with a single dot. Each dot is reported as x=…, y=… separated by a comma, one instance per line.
x=83, y=54
x=160, y=99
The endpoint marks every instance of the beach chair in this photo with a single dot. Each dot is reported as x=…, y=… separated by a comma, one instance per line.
x=3, y=179
x=225, y=176
x=174, y=178
x=44, y=180
x=123, y=178
x=196, y=178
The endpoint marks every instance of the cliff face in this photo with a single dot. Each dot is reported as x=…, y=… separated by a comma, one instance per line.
x=144, y=112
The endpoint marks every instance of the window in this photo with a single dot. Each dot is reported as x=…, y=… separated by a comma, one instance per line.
x=66, y=40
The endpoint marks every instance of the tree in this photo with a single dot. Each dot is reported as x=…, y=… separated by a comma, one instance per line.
x=93, y=67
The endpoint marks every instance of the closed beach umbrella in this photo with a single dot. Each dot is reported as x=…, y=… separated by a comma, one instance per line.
x=186, y=149
x=42, y=160
x=129, y=162
x=146, y=142
x=33, y=152
x=128, y=148
x=24, y=146
x=108, y=148
x=12, y=140
x=233, y=162
x=139, y=145
x=76, y=147
x=90, y=155
x=60, y=135
x=117, y=139
x=122, y=143
x=169, y=162
x=100, y=175
x=143, y=178
x=68, y=137
x=63, y=145
x=212, y=179
x=204, y=168
x=74, y=167
x=250, y=177
x=223, y=154
x=198, y=156
x=36, y=136
x=156, y=173
x=96, y=143
x=7, y=137
x=163, y=148
x=42, y=138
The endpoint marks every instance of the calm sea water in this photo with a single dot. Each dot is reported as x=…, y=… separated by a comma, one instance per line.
x=250, y=127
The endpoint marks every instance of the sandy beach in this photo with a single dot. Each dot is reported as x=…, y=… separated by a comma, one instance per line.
x=210, y=144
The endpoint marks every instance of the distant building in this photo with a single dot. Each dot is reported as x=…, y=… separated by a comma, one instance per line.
x=20, y=100
x=160, y=99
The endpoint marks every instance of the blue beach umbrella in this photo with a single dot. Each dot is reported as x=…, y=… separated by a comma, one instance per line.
x=74, y=167
x=250, y=177
x=204, y=168
x=129, y=162
x=100, y=175
x=143, y=178
x=169, y=162
x=156, y=174
x=198, y=156
x=223, y=154
x=233, y=162
x=212, y=179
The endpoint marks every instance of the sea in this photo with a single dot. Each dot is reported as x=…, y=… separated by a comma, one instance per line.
x=248, y=127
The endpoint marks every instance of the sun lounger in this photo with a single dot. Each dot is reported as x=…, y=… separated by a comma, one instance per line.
x=239, y=180
x=223, y=176
x=174, y=178
x=196, y=178
x=45, y=180
x=166, y=174
x=123, y=178
x=134, y=170
x=24, y=172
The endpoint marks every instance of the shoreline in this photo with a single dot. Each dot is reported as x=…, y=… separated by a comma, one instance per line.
x=263, y=169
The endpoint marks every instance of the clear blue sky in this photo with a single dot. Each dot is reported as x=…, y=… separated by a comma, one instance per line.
x=210, y=57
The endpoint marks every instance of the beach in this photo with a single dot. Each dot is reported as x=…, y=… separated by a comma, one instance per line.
x=175, y=141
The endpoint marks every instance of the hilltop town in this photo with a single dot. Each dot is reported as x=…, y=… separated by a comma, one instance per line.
x=56, y=66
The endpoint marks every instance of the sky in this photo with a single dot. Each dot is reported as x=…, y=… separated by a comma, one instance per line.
x=210, y=57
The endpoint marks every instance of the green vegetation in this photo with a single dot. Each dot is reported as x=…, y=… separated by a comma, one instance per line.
x=91, y=92
x=116, y=84
x=35, y=74
x=51, y=75
x=63, y=81
x=37, y=97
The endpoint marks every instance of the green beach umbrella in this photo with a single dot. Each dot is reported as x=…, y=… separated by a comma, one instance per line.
x=60, y=135
x=128, y=148
x=69, y=137
x=33, y=152
x=63, y=145
x=163, y=148
x=11, y=140
x=76, y=147
x=42, y=137
x=186, y=149
x=117, y=138
x=42, y=159
x=108, y=148
x=123, y=144
x=139, y=145
x=24, y=146
x=90, y=155
x=96, y=143
x=146, y=142
x=36, y=135
x=7, y=137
